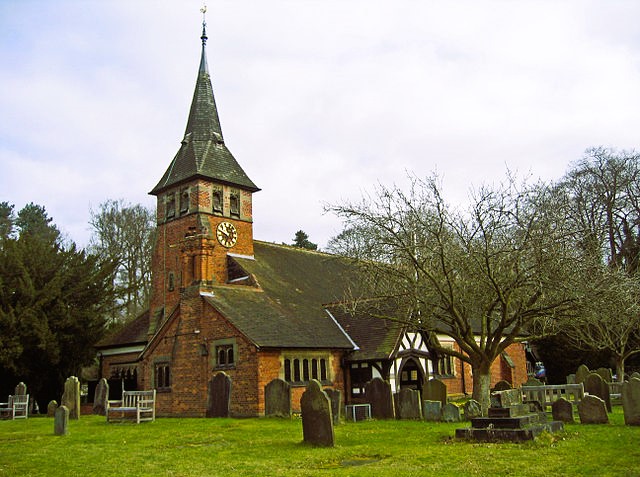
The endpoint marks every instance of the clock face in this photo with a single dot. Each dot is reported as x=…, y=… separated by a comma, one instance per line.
x=227, y=234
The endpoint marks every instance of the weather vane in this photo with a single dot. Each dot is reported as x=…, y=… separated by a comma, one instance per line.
x=203, y=10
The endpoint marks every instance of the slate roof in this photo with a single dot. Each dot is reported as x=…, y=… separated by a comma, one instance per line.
x=203, y=152
x=286, y=310
x=133, y=333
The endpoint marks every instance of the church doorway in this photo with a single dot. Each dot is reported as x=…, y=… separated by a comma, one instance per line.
x=411, y=375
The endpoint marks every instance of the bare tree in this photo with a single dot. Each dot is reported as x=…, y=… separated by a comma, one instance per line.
x=499, y=274
x=124, y=234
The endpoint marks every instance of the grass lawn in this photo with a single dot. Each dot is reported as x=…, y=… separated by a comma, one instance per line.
x=273, y=447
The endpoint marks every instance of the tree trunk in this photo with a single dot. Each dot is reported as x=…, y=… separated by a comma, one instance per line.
x=482, y=386
x=620, y=368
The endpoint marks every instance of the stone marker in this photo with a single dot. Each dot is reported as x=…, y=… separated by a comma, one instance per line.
x=592, y=410
x=100, y=397
x=51, y=408
x=472, y=409
x=21, y=389
x=317, y=422
x=502, y=386
x=595, y=385
x=335, y=396
x=631, y=402
x=435, y=390
x=562, y=410
x=581, y=373
x=71, y=397
x=408, y=404
x=277, y=399
x=450, y=413
x=219, y=397
x=571, y=379
x=635, y=374
x=432, y=410
x=605, y=374
x=532, y=381
x=61, y=421
x=506, y=398
x=378, y=393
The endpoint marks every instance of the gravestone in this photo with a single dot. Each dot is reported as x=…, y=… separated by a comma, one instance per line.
x=605, y=374
x=435, y=390
x=472, y=409
x=71, y=397
x=506, y=398
x=432, y=410
x=219, y=397
x=635, y=374
x=532, y=381
x=21, y=389
x=51, y=408
x=100, y=397
x=378, y=394
x=277, y=399
x=562, y=410
x=571, y=379
x=631, y=402
x=408, y=404
x=317, y=422
x=450, y=413
x=581, y=373
x=502, y=386
x=61, y=421
x=595, y=385
x=335, y=396
x=592, y=410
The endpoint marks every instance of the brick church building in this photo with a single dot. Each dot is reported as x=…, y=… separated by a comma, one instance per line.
x=225, y=302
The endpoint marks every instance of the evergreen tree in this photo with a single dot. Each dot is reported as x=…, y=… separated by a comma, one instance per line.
x=301, y=240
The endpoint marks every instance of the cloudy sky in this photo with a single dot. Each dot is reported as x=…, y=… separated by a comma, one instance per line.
x=319, y=100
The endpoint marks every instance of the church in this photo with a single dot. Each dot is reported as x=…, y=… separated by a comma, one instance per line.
x=224, y=302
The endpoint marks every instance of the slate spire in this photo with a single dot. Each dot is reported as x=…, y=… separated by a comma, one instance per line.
x=203, y=152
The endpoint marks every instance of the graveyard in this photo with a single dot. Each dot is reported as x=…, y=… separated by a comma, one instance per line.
x=274, y=446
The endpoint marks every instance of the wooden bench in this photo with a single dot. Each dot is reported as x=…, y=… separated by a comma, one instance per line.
x=134, y=405
x=17, y=407
x=546, y=395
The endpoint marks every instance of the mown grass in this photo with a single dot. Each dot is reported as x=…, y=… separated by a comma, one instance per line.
x=273, y=447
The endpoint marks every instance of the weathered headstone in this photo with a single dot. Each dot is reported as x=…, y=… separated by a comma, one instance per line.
x=335, y=396
x=435, y=390
x=635, y=374
x=450, y=413
x=100, y=397
x=532, y=381
x=592, y=410
x=605, y=374
x=595, y=385
x=581, y=373
x=432, y=410
x=502, y=386
x=51, y=408
x=21, y=389
x=506, y=398
x=562, y=410
x=378, y=393
x=317, y=423
x=277, y=399
x=631, y=402
x=61, y=421
x=219, y=397
x=472, y=409
x=571, y=379
x=408, y=404
x=71, y=397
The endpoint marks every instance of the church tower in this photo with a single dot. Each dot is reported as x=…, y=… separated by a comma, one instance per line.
x=203, y=207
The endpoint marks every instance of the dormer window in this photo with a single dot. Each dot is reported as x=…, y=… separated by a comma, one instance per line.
x=170, y=205
x=217, y=200
x=184, y=200
x=234, y=204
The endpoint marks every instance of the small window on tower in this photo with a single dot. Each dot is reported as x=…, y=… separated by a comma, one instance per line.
x=234, y=204
x=184, y=200
x=217, y=201
x=171, y=281
x=170, y=205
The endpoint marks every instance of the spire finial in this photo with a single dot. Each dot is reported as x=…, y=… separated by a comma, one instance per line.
x=203, y=10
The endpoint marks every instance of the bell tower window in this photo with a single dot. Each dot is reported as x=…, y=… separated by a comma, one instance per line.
x=184, y=201
x=217, y=201
x=170, y=205
x=234, y=204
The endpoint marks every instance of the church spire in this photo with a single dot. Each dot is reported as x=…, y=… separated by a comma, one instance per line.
x=203, y=152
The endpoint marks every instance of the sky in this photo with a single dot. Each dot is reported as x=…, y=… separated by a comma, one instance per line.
x=319, y=100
